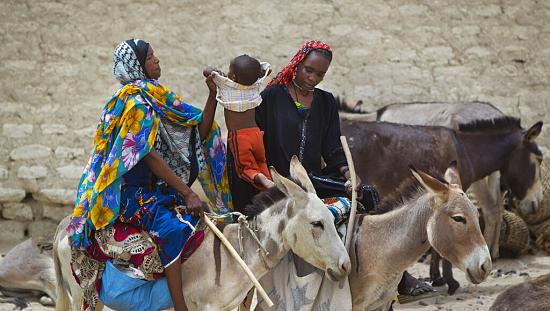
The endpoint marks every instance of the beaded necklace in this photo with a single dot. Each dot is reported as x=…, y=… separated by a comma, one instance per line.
x=302, y=110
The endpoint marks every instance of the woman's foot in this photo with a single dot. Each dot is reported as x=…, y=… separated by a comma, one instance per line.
x=411, y=286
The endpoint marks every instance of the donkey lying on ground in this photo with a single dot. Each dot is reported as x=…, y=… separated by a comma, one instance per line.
x=435, y=214
x=27, y=270
x=289, y=219
x=532, y=295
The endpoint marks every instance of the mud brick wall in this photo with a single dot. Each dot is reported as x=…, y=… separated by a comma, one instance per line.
x=56, y=69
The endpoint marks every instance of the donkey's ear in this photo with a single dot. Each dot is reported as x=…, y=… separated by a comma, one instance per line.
x=452, y=175
x=299, y=174
x=288, y=187
x=532, y=132
x=431, y=184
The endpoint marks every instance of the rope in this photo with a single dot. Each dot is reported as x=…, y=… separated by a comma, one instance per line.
x=180, y=218
x=243, y=223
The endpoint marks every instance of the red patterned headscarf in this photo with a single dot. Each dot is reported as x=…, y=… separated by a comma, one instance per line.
x=287, y=73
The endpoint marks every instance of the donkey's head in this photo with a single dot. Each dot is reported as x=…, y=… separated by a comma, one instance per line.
x=522, y=171
x=453, y=228
x=310, y=231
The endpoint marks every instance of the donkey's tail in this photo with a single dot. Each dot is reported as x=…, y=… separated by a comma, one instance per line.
x=63, y=302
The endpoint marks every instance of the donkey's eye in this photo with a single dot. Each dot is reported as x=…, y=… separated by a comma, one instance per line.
x=459, y=219
x=318, y=224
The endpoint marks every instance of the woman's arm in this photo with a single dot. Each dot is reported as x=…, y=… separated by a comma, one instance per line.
x=161, y=169
x=209, y=108
x=333, y=152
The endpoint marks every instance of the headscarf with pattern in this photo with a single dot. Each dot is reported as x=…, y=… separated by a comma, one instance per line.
x=288, y=72
x=129, y=61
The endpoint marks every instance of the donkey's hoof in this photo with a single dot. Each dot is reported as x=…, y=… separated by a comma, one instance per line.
x=438, y=282
x=46, y=301
x=453, y=286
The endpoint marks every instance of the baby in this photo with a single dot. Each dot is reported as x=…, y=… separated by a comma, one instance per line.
x=239, y=94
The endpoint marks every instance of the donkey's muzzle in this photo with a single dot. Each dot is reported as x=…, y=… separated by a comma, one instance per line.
x=478, y=266
x=344, y=268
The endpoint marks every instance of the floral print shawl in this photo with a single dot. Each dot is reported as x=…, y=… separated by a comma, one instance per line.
x=126, y=134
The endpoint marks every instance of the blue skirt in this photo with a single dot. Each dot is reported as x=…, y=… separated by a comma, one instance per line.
x=153, y=210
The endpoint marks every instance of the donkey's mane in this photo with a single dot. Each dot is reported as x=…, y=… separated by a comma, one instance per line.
x=263, y=200
x=408, y=190
x=502, y=123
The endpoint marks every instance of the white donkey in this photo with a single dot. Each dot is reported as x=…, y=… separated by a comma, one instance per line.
x=289, y=219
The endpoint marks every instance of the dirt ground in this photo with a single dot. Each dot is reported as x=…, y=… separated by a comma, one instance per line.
x=506, y=272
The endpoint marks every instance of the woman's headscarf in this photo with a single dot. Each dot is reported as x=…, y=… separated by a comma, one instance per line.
x=287, y=73
x=126, y=133
x=129, y=61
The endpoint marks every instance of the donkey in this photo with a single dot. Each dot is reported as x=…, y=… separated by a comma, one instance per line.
x=527, y=190
x=487, y=190
x=434, y=213
x=481, y=147
x=27, y=270
x=426, y=113
x=289, y=218
x=532, y=295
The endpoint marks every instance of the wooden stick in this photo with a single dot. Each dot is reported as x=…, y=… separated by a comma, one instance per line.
x=353, y=211
x=238, y=258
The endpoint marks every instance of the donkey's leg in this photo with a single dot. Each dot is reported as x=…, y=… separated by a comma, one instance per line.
x=246, y=305
x=47, y=278
x=67, y=284
x=61, y=257
x=487, y=192
x=449, y=279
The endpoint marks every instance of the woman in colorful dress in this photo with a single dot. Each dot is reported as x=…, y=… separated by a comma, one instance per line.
x=147, y=152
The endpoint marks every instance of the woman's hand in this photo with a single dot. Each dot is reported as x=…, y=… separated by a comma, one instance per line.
x=347, y=175
x=194, y=205
x=211, y=103
x=208, y=73
x=209, y=70
x=210, y=83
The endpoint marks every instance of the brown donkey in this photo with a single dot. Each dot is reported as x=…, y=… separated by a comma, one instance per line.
x=527, y=190
x=435, y=214
x=384, y=150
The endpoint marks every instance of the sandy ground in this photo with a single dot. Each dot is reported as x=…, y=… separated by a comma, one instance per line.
x=506, y=272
